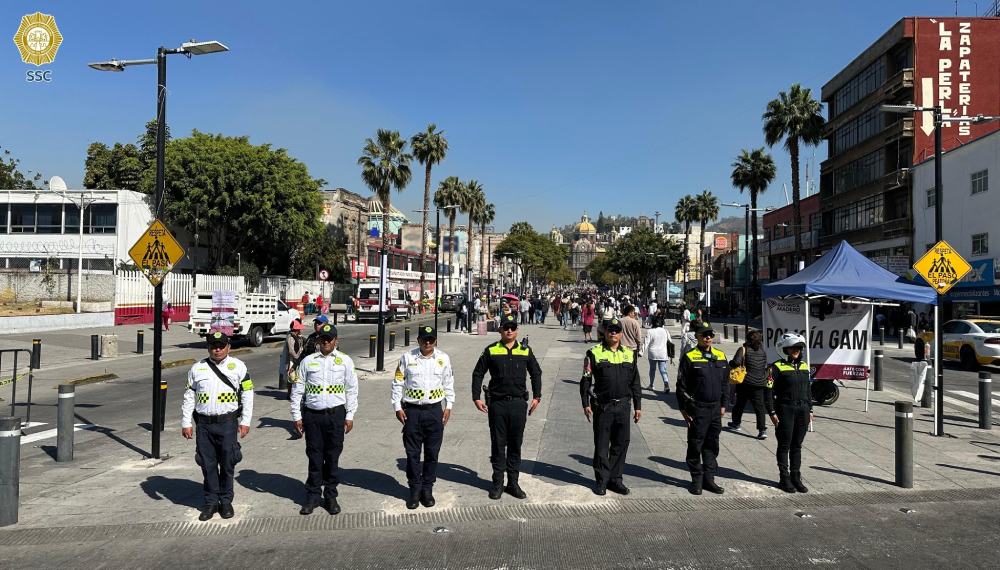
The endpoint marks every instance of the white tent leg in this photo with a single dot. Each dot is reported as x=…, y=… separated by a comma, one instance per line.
x=938, y=395
x=871, y=317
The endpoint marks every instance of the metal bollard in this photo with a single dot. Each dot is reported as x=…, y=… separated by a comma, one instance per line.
x=881, y=336
x=10, y=469
x=371, y=346
x=877, y=365
x=985, y=400
x=406, y=336
x=163, y=404
x=64, y=423
x=725, y=331
x=449, y=325
x=334, y=318
x=392, y=340
x=927, y=397
x=36, y=353
x=95, y=346
x=904, y=444
x=900, y=344
x=736, y=335
x=140, y=338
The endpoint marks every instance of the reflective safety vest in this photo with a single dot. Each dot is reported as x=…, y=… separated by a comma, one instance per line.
x=695, y=355
x=790, y=382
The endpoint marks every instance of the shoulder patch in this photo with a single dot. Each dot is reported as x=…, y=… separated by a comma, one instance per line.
x=247, y=384
x=338, y=360
x=231, y=366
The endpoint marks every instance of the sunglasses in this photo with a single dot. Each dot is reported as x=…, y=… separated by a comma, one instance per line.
x=614, y=332
x=326, y=340
x=508, y=328
x=708, y=336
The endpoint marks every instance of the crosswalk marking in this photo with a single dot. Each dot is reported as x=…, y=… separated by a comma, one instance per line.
x=974, y=397
x=49, y=433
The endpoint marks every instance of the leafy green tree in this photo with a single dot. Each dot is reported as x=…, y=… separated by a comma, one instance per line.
x=797, y=118
x=686, y=212
x=449, y=193
x=521, y=228
x=753, y=172
x=708, y=210
x=11, y=177
x=385, y=165
x=429, y=148
x=473, y=200
x=643, y=255
x=600, y=273
x=115, y=168
x=252, y=200
x=534, y=253
x=485, y=216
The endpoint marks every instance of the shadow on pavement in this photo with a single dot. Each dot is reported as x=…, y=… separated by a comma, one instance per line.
x=375, y=482
x=555, y=473
x=679, y=422
x=871, y=478
x=110, y=433
x=633, y=470
x=455, y=474
x=723, y=472
x=970, y=469
x=570, y=381
x=287, y=425
x=178, y=491
x=275, y=393
x=53, y=451
x=272, y=484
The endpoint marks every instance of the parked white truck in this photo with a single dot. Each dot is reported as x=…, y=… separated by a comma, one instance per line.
x=251, y=315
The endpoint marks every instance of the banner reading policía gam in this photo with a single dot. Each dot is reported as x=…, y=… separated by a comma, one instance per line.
x=839, y=339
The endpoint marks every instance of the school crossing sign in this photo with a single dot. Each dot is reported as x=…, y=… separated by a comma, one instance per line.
x=156, y=252
x=942, y=267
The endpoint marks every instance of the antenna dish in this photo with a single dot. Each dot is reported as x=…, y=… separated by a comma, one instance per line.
x=57, y=184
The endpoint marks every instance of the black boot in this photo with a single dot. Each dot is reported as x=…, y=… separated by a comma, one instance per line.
x=711, y=487
x=208, y=511
x=332, y=506
x=497, y=490
x=310, y=506
x=785, y=484
x=414, y=500
x=514, y=490
x=226, y=510
x=427, y=498
x=696, y=483
x=797, y=482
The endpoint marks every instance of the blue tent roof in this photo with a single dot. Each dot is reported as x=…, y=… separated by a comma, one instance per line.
x=843, y=271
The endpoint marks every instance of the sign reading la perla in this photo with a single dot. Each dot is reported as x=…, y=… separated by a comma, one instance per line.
x=839, y=335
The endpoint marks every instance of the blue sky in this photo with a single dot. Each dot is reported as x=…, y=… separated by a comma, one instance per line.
x=555, y=107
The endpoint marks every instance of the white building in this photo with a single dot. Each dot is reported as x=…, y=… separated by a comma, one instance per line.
x=971, y=213
x=43, y=226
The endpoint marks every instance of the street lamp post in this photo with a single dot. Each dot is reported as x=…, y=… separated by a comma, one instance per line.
x=188, y=49
x=938, y=119
x=437, y=257
x=747, y=261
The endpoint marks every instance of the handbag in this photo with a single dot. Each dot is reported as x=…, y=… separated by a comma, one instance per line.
x=738, y=373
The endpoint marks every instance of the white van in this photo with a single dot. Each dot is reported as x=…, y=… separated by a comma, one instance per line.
x=396, y=302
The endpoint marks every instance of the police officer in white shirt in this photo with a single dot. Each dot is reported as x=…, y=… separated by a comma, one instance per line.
x=219, y=392
x=423, y=379
x=323, y=404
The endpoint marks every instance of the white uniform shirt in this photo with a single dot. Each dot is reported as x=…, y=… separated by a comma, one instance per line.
x=423, y=379
x=325, y=382
x=208, y=395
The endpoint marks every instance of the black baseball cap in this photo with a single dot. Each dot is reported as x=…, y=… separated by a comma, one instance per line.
x=327, y=331
x=614, y=325
x=705, y=330
x=426, y=332
x=217, y=338
x=508, y=322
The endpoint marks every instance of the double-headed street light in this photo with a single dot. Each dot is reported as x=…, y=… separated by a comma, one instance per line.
x=746, y=255
x=939, y=119
x=188, y=49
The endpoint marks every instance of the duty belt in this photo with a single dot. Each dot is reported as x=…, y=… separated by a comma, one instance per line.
x=422, y=406
x=789, y=401
x=503, y=398
x=204, y=419
x=701, y=404
x=323, y=411
x=611, y=402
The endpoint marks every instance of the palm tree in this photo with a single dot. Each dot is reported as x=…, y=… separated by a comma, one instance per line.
x=685, y=212
x=486, y=216
x=429, y=148
x=753, y=171
x=473, y=199
x=449, y=193
x=708, y=210
x=385, y=165
x=796, y=117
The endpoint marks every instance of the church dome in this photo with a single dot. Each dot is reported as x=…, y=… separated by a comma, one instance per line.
x=585, y=227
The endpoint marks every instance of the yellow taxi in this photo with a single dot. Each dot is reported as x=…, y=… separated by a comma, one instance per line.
x=973, y=341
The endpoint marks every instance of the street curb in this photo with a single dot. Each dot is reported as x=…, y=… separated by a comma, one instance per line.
x=90, y=379
x=175, y=363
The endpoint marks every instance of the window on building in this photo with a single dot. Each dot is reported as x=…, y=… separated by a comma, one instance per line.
x=858, y=87
x=980, y=244
x=858, y=129
x=931, y=198
x=48, y=218
x=861, y=214
x=103, y=218
x=22, y=218
x=859, y=172
x=3, y=220
x=980, y=181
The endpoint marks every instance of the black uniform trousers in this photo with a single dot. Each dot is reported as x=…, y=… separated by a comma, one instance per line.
x=703, y=438
x=755, y=395
x=793, y=423
x=217, y=453
x=507, y=417
x=612, y=432
x=324, y=442
x=422, y=431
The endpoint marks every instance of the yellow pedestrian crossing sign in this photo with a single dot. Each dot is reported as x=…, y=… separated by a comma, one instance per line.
x=156, y=252
x=942, y=267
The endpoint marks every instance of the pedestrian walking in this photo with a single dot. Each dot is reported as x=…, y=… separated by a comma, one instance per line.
x=631, y=330
x=702, y=395
x=323, y=405
x=790, y=407
x=524, y=306
x=311, y=340
x=753, y=388
x=422, y=381
x=219, y=400
x=686, y=319
x=291, y=352
x=509, y=365
x=609, y=389
x=588, y=314
x=658, y=349
x=167, y=314
x=306, y=306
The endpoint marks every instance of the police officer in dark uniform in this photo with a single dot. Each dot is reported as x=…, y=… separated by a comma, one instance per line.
x=509, y=363
x=703, y=396
x=789, y=403
x=219, y=399
x=610, y=383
